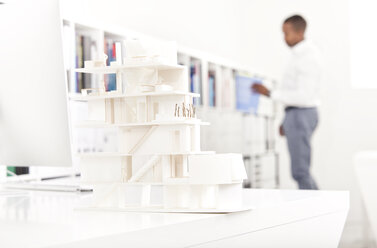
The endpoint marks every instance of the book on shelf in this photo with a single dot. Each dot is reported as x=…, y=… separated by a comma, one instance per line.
x=110, y=79
x=195, y=81
x=87, y=55
x=211, y=88
x=85, y=50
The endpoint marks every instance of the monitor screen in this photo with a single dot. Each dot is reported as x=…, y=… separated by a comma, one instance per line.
x=34, y=127
x=246, y=100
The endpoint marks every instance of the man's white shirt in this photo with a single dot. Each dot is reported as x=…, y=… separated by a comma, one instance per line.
x=301, y=81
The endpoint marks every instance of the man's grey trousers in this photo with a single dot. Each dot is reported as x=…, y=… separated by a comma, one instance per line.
x=299, y=125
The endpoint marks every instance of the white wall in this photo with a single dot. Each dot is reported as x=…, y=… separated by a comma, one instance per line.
x=249, y=32
x=348, y=121
x=363, y=42
x=211, y=26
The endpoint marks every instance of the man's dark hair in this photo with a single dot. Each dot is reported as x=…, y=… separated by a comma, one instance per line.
x=297, y=21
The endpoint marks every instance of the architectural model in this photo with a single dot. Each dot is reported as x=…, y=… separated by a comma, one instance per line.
x=158, y=164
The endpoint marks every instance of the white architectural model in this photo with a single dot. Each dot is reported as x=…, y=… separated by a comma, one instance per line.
x=158, y=164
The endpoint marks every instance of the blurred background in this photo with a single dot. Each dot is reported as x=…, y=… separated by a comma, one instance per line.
x=223, y=42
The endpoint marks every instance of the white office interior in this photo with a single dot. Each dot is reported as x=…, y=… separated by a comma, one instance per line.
x=228, y=39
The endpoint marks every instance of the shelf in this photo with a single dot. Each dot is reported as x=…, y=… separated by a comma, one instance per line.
x=100, y=124
x=164, y=93
x=170, y=181
x=214, y=109
x=118, y=154
x=123, y=68
x=260, y=154
x=80, y=97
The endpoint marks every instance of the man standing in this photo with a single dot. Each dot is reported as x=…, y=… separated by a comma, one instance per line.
x=299, y=92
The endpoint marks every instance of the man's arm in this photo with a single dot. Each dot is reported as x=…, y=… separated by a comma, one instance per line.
x=261, y=89
x=288, y=97
x=307, y=87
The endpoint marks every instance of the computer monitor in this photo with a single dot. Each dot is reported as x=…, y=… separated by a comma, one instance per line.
x=247, y=100
x=34, y=127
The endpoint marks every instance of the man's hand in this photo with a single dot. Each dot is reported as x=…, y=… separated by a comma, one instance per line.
x=281, y=130
x=261, y=89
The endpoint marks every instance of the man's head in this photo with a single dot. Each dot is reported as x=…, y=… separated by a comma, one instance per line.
x=294, y=29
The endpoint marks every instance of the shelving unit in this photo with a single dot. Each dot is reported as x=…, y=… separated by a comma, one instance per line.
x=79, y=97
x=228, y=131
x=124, y=68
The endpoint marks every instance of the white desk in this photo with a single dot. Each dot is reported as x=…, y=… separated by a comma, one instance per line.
x=366, y=172
x=282, y=219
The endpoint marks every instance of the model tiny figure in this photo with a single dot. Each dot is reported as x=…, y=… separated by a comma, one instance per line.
x=175, y=110
x=183, y=110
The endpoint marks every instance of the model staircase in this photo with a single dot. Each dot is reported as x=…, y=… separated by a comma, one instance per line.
x=145, y=168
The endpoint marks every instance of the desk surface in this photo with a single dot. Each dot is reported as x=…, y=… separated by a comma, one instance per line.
x=49, y=219
x=366, y=171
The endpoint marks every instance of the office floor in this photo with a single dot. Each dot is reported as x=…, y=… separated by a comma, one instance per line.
x=356, y=235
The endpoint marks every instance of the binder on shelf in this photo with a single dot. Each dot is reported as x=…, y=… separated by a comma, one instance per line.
x=79, y=62
x=87, y=55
